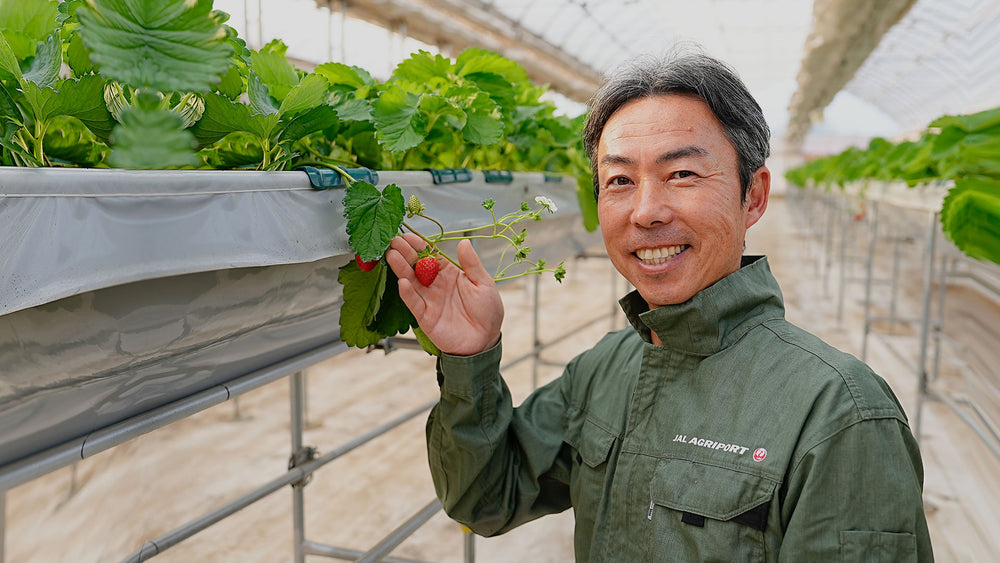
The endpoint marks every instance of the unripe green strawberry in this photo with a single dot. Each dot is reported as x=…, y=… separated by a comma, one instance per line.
x=426, y=270
x=365, y=266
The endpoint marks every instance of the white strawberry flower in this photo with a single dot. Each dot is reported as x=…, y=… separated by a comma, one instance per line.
x=546, y=203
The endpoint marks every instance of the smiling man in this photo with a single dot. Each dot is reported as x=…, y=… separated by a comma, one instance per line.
x=711, y=429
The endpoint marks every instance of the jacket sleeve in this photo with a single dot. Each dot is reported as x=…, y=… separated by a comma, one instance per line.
x=857, y=496
x=495, y=467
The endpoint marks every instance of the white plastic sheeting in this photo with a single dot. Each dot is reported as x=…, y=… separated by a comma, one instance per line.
x=942, y=58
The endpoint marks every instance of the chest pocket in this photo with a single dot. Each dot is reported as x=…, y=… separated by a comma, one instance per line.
x=591, y=446
x=701, y=512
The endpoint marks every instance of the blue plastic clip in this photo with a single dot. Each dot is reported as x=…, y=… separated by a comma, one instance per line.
x=326, y=178
x=498, y=176
x=450, y=175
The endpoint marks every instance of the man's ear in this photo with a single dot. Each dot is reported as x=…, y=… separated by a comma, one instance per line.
x=756, y=201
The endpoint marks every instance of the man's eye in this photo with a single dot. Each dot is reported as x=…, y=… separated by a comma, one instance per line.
x=619, y=181
x=683, y=174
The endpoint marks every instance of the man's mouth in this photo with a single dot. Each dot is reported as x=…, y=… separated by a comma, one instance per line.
x=653, y=256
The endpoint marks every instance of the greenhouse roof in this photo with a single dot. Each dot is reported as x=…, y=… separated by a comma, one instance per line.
x=853, y=67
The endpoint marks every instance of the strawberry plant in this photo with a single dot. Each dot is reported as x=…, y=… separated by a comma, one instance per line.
x=167, y=84
x=372, y=308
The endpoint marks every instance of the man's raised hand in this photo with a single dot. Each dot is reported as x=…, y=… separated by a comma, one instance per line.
x=461, y=311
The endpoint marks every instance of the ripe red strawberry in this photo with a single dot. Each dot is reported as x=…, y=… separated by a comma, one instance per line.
x=365, y=266
x=426, y=270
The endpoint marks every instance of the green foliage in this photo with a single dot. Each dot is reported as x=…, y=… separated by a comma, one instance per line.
x=362, y=299
x=252, y=108
x=962, y=148
x=26, y=23
x=173, y=149
x=970, y=217
x=162, y=45
x=131, y=62
x=166, y=84
x=373, y=218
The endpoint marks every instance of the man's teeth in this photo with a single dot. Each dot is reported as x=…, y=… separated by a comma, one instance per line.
x=659, y=255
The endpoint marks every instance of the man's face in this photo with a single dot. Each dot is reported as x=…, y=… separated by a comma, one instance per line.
x=669, y=197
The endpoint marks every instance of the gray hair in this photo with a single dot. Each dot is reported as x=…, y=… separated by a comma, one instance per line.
x=694, y=74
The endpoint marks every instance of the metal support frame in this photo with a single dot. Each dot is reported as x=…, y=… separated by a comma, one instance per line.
x=925, y=322
x=297, y=399
x=937, y=267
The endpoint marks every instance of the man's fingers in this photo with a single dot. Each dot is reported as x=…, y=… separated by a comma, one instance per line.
x=407, y=246
x=472, y=265
x=411, y=298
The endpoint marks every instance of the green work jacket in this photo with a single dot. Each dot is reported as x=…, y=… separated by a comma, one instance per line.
x=742, y=438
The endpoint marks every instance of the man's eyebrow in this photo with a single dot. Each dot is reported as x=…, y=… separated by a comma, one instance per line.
x=690, y=150
x=616, y=159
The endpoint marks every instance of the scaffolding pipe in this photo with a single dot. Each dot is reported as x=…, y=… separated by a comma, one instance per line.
x=894, y=284
x=60, y=456
x=925, y=319
x=298, y=473
x=869, y=266
x=296, y=393
x=3, y=523
x=843, y=269
x=404, y=531
x=334, y=552
x=534, y=351
x=939, y=325
x=470, y=545
x=970, y=422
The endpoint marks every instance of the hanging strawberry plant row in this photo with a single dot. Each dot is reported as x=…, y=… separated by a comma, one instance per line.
x=158, y=84
x=167, y=84
x=963, y=149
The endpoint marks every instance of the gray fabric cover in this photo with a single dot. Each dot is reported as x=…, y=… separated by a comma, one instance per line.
x=121, y=291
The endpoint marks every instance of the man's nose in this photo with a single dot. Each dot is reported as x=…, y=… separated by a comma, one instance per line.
x=651, y=204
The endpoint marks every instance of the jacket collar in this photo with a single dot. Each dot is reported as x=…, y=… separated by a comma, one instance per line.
x=717, y=316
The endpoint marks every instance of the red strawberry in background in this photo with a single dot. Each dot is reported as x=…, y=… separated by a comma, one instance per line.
x=365, y=266
x=426, y=270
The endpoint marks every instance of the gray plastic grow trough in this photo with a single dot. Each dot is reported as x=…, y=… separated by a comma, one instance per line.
x=124, y=291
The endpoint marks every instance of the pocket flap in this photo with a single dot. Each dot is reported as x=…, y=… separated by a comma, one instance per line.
x=708, y=490
x=593, y=443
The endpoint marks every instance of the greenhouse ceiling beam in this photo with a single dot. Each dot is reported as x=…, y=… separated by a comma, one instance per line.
x=474, y=23
x=844, y=33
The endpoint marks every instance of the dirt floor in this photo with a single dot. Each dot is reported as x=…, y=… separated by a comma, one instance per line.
x=108, y=506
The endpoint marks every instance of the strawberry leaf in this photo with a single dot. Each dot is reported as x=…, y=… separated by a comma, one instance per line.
x=259, y=96
x=362, y=299
x=423, y=68
x=345, y=78
x=315, y=119
x=373, y=218
x=393, y=317
x=223, y=116
x=483, y=126
x=152, y=139
x=274, y=69
x=970, y=217
x=308, y=93
x=398, y=121
x=25, y=23
x=164, y=45
x=476, y=60
x=44, y=69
